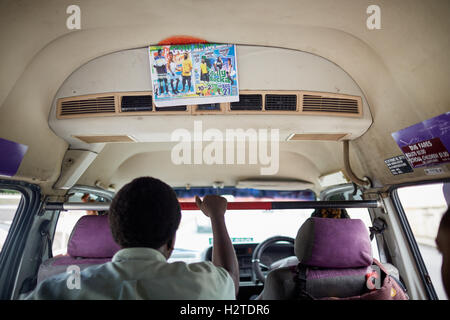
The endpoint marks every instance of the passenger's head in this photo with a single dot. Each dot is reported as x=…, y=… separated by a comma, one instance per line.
x=443, y=244
x=145, y=213
x=334, y=213
x=86, y=198
x=330, y=213
x=186, y=56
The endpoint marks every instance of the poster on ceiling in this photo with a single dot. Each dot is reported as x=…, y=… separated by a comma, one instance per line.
x=426, y=143
x=193, y=74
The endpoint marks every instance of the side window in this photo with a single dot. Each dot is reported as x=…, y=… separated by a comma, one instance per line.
x=424, y=206
x=9, y=202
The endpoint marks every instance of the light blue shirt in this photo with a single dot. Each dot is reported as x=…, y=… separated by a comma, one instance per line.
x=141, y=273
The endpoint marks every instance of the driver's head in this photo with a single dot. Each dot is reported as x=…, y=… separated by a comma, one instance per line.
x=145, y=213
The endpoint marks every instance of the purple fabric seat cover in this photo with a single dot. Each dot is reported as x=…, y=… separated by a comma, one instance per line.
x=338, y=253
x=92, y=238
x=91, y=243
x=338, y=256
x=333, y=243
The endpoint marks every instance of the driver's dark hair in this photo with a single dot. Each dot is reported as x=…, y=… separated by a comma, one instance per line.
x=144, y=213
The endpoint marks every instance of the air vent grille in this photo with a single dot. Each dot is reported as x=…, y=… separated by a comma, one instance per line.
x=281, y=102
x=209, y=107
x=315, y=103
x=174, y=108
x=136, y=103
x=247, y=102
x=88, y=106
x=250, y=102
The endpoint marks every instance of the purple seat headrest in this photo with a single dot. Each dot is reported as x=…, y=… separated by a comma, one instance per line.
x=92, y=238
x=333, y=243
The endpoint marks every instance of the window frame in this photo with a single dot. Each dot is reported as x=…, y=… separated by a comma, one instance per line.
x=15, y=242
x=414, y=247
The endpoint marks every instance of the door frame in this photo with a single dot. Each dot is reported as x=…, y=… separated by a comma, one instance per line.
x=15, y=242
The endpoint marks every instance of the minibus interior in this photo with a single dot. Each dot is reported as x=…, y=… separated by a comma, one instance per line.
x=79, y=120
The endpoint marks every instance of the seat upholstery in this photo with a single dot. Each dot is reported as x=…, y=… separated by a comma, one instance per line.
x=91, y=243
x=338, y=255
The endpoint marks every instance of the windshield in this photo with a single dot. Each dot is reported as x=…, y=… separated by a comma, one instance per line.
x=194, y=235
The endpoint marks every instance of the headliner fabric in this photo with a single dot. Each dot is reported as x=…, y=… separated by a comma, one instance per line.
x=92, y=238
x=333, y=243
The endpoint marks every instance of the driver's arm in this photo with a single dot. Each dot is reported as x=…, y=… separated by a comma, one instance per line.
x=223, y=254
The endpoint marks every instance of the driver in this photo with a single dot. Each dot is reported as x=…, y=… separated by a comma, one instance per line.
x=144, y=217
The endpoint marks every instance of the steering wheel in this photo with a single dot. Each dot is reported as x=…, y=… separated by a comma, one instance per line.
x=257, y=253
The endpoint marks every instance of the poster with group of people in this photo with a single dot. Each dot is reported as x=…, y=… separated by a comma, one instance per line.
x=193, y=74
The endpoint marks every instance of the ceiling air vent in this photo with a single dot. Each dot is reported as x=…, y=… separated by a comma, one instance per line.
x=136, y=103
x=208, y=107
x=316, y=103
x=174, y=108
x=281, y=102
x=247, y=102
x=88, y=106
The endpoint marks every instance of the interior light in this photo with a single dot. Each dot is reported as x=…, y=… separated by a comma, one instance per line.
x=333, y=179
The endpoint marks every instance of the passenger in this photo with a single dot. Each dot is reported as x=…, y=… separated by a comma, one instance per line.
x=330, y=213
x=443, y=241
x=144, y=217
x=86, y=198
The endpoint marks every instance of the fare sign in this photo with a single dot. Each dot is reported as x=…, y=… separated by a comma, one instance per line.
x=426, y=152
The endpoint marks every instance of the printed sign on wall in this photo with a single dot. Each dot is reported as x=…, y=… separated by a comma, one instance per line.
x=426, y=143
x=193, y=74
x=398, y=165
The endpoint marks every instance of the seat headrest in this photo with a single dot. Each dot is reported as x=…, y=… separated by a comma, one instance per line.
x=333, y=243
x=92, y=238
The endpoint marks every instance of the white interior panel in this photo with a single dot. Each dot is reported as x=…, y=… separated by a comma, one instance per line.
x=260, y=68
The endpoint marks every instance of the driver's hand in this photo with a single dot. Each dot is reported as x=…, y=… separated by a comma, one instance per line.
x=212, y=205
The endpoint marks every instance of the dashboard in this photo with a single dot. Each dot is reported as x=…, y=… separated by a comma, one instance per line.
x=244, y=254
